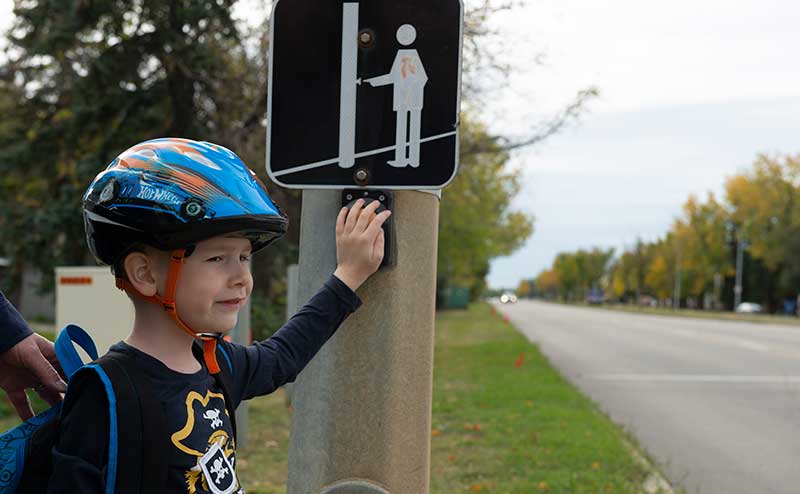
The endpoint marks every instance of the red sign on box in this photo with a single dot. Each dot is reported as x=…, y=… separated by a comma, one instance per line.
x=75, y=280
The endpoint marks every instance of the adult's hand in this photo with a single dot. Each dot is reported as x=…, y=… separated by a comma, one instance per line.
x=31, y=363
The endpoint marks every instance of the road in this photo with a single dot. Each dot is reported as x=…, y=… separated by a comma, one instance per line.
x=715, y=403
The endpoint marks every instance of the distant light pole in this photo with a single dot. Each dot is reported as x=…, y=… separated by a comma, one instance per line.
x=735, y=231
x=737, y=290
x=676, y=296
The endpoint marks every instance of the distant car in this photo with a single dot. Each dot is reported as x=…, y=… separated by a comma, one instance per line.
x=647, y=301
x=508, y=298
x=749, y=308
x=595, y=297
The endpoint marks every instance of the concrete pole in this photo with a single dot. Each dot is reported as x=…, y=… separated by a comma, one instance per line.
x=291, y=308
x=241, y=334
x=361, y=414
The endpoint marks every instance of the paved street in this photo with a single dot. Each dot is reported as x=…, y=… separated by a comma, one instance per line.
x=716, y=403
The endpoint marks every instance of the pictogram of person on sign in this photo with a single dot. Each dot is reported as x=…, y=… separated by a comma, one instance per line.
x=409, y=78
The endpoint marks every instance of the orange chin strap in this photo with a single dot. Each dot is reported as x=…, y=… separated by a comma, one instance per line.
x=168, y=303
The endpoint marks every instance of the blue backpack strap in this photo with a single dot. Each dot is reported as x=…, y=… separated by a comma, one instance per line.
x=65, y=348
x=91, y=371
x=224, y=352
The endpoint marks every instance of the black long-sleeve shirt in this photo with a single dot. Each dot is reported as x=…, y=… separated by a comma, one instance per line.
x=13, y=327
x=193, y=405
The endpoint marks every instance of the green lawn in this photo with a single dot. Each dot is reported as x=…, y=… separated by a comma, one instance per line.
x=503, y=422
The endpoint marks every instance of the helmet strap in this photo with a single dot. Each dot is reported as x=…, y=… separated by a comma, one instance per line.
x=168, y=303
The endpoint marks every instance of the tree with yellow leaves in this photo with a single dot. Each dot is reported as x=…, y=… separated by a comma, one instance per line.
x=765, y=211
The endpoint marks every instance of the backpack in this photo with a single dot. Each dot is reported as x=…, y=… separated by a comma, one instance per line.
x=25, y=451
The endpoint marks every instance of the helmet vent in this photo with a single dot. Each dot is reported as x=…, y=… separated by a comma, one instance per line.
x=193, y=209
x=202, y=160
x=108, y=191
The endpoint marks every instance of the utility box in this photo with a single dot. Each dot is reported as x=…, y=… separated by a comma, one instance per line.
x=88, y=297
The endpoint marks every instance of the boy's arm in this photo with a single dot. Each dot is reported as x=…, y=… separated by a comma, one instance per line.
x=278, y=360
x=266, y=365
x=81, y=452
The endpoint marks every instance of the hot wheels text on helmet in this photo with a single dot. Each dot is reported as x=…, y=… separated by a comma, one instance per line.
x=172, y=193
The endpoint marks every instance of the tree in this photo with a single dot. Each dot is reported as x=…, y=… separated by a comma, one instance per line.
x=525, y=289
x=702, y=233
x=90, y=79
x=765, y=211
x=547, y=282
x=476, y=223
x=578, y=272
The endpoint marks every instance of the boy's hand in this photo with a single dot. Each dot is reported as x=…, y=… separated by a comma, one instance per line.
x=359, y=242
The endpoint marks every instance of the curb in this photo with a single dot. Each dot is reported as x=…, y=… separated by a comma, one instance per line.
x=655, y=483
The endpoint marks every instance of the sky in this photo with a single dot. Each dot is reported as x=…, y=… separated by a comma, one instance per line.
x=690, y=93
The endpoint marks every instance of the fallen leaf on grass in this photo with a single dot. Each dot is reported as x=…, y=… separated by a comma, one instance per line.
x=543, y=486
x=472, y=427
x=595, y=465
x=520, y=360
x=476, y=488
x=436, y=432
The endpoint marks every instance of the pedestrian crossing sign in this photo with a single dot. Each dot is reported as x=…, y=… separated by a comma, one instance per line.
x=364, y=93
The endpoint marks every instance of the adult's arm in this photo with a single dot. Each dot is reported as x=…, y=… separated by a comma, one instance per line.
x=27, y=360
x=13, y=327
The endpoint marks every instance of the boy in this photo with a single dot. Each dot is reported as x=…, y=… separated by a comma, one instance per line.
x=178, y=220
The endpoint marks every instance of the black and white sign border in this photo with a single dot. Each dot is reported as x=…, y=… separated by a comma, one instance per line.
x=275, y=176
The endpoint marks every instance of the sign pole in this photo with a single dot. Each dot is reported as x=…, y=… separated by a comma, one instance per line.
x=361, y=410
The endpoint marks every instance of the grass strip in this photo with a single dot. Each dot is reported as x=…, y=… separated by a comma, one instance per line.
x=504, y=421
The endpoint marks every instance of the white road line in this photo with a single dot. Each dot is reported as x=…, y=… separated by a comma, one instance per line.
x=711, y=378
x=752, y=345
x=358, y=155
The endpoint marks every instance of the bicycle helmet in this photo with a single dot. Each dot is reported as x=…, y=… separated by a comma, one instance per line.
x=171, y=193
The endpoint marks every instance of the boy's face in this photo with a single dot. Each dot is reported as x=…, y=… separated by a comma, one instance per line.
x=214, y=283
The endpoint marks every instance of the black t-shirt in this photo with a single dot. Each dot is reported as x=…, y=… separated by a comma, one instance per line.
x=203, y=453
x=13, y=327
